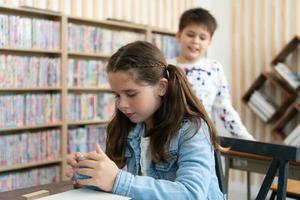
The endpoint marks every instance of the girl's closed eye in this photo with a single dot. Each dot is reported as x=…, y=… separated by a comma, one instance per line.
x=131, y=94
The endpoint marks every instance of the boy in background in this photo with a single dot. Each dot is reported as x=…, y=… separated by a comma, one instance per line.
x=196, y=28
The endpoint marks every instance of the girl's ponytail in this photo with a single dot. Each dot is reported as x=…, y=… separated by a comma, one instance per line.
x=179, y=86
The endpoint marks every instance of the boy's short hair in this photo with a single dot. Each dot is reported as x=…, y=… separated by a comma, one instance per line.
x=198, y=16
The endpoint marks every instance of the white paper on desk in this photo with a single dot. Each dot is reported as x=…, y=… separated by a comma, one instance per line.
x=83, y=194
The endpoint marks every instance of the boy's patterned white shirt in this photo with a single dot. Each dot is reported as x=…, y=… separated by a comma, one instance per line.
x=208, y=81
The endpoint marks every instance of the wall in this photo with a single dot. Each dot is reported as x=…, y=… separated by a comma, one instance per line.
x=250, y=34
x=157, y=13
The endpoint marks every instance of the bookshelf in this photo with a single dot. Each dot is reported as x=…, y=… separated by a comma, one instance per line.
x=76, y=58
x=280, y=88
x=287, y=123
x=30, y=97
x=86, y=55
x=165, y=40
x=262, y=100
x=288, y=73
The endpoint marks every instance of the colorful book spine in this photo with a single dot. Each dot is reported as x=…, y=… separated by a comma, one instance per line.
x=20, y=32
x=29, y=109
x=86, y=73
x=29, y=71
x=92, y=39
x=90, y=106
x=84, y=139
x=167, y=44
x=29, y=178
x=29, y=147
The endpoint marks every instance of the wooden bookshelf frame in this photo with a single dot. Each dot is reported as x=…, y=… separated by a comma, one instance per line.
x=57, y=53
x=280, y=124
x=30, y=165
x=287, y=49
x=288, y=94
x=291, y=46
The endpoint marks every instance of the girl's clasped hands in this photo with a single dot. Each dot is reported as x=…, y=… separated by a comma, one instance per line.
x=93, y=169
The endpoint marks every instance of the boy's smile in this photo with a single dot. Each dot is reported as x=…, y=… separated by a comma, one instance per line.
x=194, y=40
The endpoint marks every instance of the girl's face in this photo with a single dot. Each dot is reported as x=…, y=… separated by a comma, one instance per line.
x=138, y=101
x=194, y=41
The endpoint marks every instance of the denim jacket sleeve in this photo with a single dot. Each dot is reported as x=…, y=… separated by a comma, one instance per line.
x=193, y=176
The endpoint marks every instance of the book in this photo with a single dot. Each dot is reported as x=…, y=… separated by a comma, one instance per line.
x=291, y=77
x=263, y=104
x=258, y=111
x=294, y=137
x=261, y=101
x=83, y=194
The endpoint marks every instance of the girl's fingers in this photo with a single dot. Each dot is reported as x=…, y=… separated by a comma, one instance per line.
x=69, y=173
x=85, y=171
x=88, y=181
x=94, y=156
x=99, y=150
x=72, y=162
x=88, y=163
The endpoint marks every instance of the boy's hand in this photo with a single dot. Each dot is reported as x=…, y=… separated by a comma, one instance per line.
x=100, y=168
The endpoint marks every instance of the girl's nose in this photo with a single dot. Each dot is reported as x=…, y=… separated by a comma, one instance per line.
x=122, y=103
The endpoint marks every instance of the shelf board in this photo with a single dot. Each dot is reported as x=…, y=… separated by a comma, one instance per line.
x=287, y=49
x=108, y=23
x=4, y=129
x=105, y=88
x=31, y=11
x=29, y=165
x=29, y=51
x=163, y=31
x=87, y=122
x=33, y=89
x=89, y=55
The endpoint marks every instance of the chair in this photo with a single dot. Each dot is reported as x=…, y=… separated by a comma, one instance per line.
x=292, y=189
x=219, y=171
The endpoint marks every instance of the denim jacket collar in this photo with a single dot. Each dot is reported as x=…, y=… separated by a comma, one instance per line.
x=136, y=132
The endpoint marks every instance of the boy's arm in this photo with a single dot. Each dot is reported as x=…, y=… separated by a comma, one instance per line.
x=223, y=109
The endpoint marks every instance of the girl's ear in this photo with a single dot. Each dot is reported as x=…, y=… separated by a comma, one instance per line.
x=162, y=87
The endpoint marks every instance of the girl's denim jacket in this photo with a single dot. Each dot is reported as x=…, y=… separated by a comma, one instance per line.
x=188, y=174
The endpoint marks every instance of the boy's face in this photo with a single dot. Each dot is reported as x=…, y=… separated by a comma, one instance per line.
x=194, y=41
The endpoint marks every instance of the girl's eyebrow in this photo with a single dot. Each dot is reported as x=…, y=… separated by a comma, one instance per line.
x=129, y=90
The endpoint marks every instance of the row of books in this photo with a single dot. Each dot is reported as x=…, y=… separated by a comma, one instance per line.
x=84, y=139
x=90, y=106
x=29, y=147
x=83, y=38
x=261, y=105
x=285, y=72
x=29, y=109
x=293, y=137
x=29, y=71
x=167, y=44
x=25, y=32
x=86, y=73
x=28, y=178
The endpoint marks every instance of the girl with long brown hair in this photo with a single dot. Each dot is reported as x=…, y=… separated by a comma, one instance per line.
x=160, y=132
